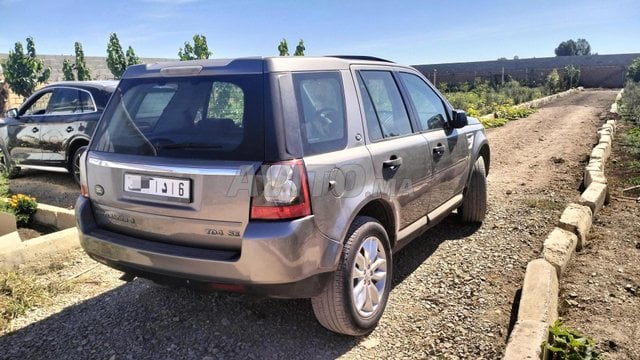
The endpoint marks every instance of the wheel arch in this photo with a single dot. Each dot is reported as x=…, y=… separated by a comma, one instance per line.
x=74, y=145
x=383, y=212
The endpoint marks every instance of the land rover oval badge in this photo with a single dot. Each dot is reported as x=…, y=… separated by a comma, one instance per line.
x=99, y=190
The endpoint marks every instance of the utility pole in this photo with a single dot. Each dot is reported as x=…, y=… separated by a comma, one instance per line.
x=435, y=71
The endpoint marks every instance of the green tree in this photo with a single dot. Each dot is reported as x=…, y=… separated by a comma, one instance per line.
x=117, y=60
x=566, y=48
x=283, y=48
x=23, y=72
x=132, y=59
x=572, y=48
x=583, y=47
x=299, y=49
x=633, y=72
x=199, y=49
x=81, y=67
x=67, y=71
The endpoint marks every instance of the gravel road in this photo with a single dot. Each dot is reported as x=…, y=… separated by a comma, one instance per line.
x=452, y=294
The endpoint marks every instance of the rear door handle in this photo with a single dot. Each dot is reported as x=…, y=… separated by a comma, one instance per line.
x=438, y=150
x=35, y=130
x=392, y=163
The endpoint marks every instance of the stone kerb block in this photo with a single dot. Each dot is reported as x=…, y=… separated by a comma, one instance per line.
x=525, y=341
x=606, y=149
x=598, y=153
x=594, y=197
x=591, y=176
x=559, y=248
x=605, y=139
x=613, y=124
x=576, y=218
x=539, y=300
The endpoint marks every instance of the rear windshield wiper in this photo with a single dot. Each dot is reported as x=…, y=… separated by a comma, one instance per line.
x=190, y=146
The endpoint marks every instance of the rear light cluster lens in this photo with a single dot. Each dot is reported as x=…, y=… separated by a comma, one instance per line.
x=282, y=192
x=84, y=187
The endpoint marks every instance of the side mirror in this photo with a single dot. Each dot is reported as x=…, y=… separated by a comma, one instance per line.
x=459, y=119
x=12, y=113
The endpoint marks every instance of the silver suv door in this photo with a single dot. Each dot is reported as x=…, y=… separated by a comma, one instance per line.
x=400, y=155
x=449, y=148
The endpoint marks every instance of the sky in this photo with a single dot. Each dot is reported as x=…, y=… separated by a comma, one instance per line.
x=408, y=32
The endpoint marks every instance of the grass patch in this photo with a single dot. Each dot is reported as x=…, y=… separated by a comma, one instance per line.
x=20, y=292
x=543, y=204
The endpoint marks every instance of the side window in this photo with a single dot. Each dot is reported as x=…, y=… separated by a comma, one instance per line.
x=65, y=101
x=39, y=105
x=320, y=99
x=389, y=110
x=86, y=102
x=431, y=110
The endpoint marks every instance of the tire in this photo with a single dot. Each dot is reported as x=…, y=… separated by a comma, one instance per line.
x=474, y=204
x=74, y=166
x=11, y=171
x=347, y=305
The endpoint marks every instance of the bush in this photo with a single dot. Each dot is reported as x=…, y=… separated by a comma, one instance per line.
x=553, y=83
x=23, y=206
x=633, y=72
x=629, y=104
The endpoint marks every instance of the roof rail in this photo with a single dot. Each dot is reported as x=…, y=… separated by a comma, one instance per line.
x=360, y=57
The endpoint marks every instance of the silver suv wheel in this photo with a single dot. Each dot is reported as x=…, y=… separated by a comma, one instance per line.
x=353, y=301
x=369, y=276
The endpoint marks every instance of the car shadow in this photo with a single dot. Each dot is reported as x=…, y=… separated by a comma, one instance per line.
x=140, y=320
x=409, y=258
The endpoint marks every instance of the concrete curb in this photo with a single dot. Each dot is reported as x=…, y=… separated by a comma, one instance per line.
x=538, y=308
x=15, y=252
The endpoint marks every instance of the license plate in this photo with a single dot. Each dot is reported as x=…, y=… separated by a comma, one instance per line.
x=158, y=187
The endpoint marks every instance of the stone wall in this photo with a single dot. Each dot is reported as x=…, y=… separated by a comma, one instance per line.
x=596, y=70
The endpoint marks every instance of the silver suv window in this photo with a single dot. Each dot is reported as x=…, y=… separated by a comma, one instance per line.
x=217, y=118
x=321, y=108
x=430, y=109
x=384, y=109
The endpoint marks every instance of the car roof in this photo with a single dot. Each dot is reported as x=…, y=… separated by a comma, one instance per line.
x=104, y=85
x=252, y=65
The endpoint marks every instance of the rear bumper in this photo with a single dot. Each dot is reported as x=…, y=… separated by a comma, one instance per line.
x=282, y=259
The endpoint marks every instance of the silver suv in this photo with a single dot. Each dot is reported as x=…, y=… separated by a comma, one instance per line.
x=287, y=176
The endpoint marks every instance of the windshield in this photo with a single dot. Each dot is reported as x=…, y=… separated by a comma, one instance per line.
x=217, y=118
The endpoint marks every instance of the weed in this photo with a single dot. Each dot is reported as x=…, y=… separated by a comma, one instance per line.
x=567, y=343
x=543, y=204
x=491, y=123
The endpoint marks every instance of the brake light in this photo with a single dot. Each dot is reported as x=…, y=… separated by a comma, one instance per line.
x=84, y=187
x=282, y=191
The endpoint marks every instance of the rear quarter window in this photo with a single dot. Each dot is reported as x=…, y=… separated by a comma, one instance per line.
x=320, y=99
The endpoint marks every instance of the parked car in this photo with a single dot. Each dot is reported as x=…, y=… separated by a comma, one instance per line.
x=53, y=127
x=294, y=177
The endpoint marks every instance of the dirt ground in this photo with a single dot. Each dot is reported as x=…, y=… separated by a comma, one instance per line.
x=453, y=289
x=600, y=294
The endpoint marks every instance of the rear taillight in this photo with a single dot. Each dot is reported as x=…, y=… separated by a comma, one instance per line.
x=84, y=187
x=282, y=191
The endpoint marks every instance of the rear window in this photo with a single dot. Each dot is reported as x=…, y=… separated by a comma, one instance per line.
x=216, y=118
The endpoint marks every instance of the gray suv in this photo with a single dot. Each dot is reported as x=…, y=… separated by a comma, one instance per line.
x=295, y=177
